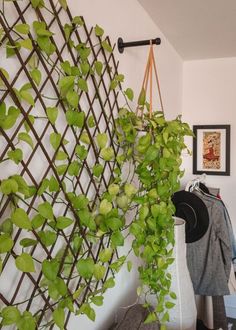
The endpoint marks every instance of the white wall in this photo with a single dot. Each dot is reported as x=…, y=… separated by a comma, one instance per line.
x=209, y=97
x=127, y=19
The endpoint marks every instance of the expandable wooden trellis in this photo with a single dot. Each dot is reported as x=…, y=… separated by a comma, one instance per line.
x=37, y=164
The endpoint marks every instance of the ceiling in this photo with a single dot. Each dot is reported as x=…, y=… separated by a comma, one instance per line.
x=197, y=29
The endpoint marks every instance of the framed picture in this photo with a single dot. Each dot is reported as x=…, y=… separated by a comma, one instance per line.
x=211, y=149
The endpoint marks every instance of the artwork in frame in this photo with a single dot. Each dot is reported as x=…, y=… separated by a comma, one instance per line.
x=211, y=149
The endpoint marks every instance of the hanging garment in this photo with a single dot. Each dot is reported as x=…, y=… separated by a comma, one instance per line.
x=209, y=258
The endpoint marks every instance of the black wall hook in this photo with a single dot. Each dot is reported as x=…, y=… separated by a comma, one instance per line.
x=121, y=44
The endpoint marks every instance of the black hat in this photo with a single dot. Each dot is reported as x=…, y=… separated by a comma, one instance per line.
x=193, y=210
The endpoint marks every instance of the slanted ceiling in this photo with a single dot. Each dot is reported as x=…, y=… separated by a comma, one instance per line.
x=197, y=29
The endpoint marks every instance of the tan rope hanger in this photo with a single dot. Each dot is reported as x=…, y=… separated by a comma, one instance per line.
x=148, y=82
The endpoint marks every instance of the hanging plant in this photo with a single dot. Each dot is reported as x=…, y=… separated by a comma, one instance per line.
x=65, y=144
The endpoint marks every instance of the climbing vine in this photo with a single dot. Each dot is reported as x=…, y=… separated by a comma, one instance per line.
x=66, y=196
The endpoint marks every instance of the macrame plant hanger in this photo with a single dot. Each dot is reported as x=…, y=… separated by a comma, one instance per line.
x=148, y=84
x=148, y=74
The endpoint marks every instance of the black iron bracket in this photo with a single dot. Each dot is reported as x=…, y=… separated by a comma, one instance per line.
x=121, y=44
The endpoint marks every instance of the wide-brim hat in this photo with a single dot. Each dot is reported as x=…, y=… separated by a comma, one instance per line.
x=193, y=210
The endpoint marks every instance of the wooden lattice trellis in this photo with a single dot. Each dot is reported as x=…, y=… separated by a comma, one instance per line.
x=25, y=289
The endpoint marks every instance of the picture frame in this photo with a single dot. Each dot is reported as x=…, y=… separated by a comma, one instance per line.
x=211, y=149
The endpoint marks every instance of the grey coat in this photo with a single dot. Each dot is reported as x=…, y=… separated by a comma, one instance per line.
x=209, y=259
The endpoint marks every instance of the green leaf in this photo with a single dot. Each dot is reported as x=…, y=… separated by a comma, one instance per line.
x=26, y=138
x=25, y=242
x=22, y=185
x=11, y=48
x=15, y=155
x=63, y=222
x=61, y=286
x=81, y=152
x=65, y=84
x=105, y=207
x=99, y=272
x=117, y=239
x=151, y=153
x=47, y=237
x=83, y=51
x=85, y=67
x=119, y=77
x=61, y=155
x=53, y=184
x=6, y=243
x=129, y=265
x=78, y=20
x=150, y=318
x=26, y=322
x=99, y=31
x=61, y=169
x=98, y=67
x=122, y=202
x=50, y=269
x=169, y=304
x=55, y=140
x=37, y=221
x=82, y=84
x=46, y=211
x=67, y=30
x=91, y=122
x=105, y=255
x=22, y=28
x=75, y=118
x=142, y=97
x=102, y=140
x=63, y=3
x=20, y=218
x=165, y=318
x=110, y=283
x=72, y=98
x=66, y=67
x=87, y=219
x=33, y=62
x=36, y=76
x=114, y=83
x=45, y=44
x=97, y=300
x=0, y=266
x=130, y=189
x=107, y=153
x=6, y=226
x=10, y=315
x=129, y=93
x=5, y=73
x=42, y=32
x=59, y=317
x=74, y=168
x=26, y=43
x=114, y=223
x=9, y=121
x=81, y=202
x=85, y=268
x=106, y=46
x=173, y=295
x=37, y=3
x=84, y=137
x=26, y=125
x=25, y=263
x=97, y=170
x=87, y=310
x=113, y=189
x=43, y=187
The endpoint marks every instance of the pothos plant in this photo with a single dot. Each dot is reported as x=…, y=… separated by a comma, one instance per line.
x=60, y=236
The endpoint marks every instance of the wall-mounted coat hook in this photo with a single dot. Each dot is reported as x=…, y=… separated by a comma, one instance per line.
x=121, y=44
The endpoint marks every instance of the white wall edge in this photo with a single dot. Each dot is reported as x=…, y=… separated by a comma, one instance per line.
x=230, y=311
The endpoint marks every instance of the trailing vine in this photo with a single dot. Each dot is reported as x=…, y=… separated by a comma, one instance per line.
x=61, y=223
